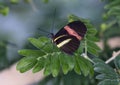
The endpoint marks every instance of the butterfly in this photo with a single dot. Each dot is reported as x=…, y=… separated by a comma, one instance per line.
x=68, y=38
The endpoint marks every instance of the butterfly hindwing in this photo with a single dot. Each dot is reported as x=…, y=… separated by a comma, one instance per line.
x=71, y=46
x=68, y=44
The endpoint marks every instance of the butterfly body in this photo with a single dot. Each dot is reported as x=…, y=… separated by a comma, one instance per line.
x=69, y=37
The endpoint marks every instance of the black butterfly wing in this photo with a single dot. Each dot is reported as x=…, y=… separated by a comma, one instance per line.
x=79, y=27
x=62, y=31
x=68, y=44
x=71, y=46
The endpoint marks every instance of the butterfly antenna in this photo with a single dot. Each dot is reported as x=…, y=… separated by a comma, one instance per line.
x=43, y=31
x=53, y=21
x=53, y=25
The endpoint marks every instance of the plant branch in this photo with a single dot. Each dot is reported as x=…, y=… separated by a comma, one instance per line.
x=114, y=55
x=85, y=54
x=85, y=46
x=33, y=5
x=86, y=57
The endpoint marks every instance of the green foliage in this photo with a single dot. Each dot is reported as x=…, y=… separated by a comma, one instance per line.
x=117, y=63
x=14, y=1
x=113, y=8
x=112, y=16
x=83, y=66
x=70, y=79
x=28, y=52
x=39, y=65
x=53, y=60
x=107, y=73
x=26, y=63
x=110, y=27
x=4, y=10
x=45, y=1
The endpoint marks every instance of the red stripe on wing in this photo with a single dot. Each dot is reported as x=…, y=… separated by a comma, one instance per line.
x=72, y=32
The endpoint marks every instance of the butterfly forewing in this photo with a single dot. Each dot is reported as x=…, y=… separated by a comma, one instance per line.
x=78, y=27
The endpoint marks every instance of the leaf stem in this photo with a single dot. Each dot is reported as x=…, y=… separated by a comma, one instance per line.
x=85, y=45
x=85, y=54
x=114, y=55
x=86, y=57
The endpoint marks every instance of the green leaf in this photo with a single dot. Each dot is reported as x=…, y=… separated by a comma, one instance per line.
x=83, y=65
x=114, y=10
x=28, y=52
x=39, y=43
x=45, y=1
x=39, y=65
x=90, y=66
x=64, y=64
x=14, y=1
x=84, y=68
x=26, y=63
x=72, y=18
x=92, y=51
x=81, y=48
x=55, y=65
x=107, y=74
x=77, y=67
x=114, y=3
x=92, y=38
x=70, y=62
x=101, y=68
x=47, y=70
x=101, y=76
x=91, y=31
x=50, y=48
x=117, y=63
x=4, y=11
x=93, y=45
x=109, y=82
x=89, y=26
